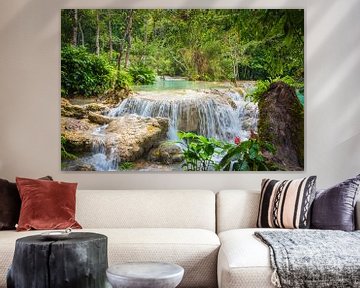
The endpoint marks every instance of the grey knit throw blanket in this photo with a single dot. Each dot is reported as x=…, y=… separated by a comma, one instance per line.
x=313, y=258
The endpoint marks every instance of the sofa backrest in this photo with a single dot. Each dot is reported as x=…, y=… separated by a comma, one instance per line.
x=239, y=209
x=236, y=209
x=146, y=209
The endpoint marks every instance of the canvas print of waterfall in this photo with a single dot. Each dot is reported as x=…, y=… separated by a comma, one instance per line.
x=182, y=90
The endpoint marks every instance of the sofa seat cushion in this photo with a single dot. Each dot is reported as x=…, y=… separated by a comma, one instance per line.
x=194, y=249
x=244, y=261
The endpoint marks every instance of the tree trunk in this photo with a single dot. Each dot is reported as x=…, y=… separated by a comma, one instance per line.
x=57, y=264
x=82, y=34
x=75, y=27
x=237, y=76
x=110, y=38
x=122, y=44
x=235, y=70
x=97, y=33
x=120, y=56
x=127, y=56
x=143, y=54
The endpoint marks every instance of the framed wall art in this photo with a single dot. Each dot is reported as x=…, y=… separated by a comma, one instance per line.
x=182, y=90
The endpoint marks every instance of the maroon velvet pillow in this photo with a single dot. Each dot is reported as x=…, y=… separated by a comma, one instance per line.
x=46, y=204
x=10, y=204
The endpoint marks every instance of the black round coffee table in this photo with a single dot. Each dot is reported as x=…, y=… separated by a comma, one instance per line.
x=80, y=261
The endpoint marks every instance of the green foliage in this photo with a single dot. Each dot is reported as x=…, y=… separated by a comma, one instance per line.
x=64, y=153
x=246, y=156
x=263, y=85
x=83, y=73
x=276, y=50
x=200, y=154
x=260, y=88
x=123, y=80
x=199, y=151
x=126, y=166
x=142, y=74
x=290, y=81
x=201, y=44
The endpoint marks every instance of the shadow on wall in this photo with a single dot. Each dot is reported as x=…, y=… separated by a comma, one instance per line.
x=44, y=12
x=332, y=66
x=339, y=26
x=338, y=72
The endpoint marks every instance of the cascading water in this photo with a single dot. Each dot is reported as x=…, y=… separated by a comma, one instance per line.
x=208, y=113
x=102, y=158
x=247, y=112
x=220, y=113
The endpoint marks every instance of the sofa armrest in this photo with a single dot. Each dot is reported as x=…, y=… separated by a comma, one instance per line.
x=357, y=215
x=236, y=209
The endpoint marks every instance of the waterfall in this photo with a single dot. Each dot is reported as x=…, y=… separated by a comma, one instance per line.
x=248, y=114
x=212, y=114
x=103, y=157
x=220, y=113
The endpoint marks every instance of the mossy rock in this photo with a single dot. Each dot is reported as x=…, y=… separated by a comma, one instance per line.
x=74, y=111
x=77, y=135
x=281, y=122
x=166, y=153
x=98, y=119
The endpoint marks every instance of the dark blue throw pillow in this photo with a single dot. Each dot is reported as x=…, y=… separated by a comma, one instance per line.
x=334, y=208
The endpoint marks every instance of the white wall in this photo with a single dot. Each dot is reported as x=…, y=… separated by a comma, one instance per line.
x=30, y=88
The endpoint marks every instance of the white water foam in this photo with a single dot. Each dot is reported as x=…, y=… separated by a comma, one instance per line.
x=103, y=158
x=212, y=115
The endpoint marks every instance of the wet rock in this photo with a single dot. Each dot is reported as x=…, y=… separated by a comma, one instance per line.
x=69, y=110
x=240, y=90
x=281, y=123
x=243, y=87
x=77, y=133
x=133, y=136
x=81, y=111
x=81, y=167
x=224, y=97
x=113, y=97
x=166, y=153
x=249, y=116
x=98, y=119
x=145, y=165
x=128, y=136
x=247, y=123
x=97, y=107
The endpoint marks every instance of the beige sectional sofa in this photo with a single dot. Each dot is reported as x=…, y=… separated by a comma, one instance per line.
x=177, y=226
x=243, y=260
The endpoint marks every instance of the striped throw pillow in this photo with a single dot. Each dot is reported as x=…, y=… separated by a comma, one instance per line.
x=286, y=204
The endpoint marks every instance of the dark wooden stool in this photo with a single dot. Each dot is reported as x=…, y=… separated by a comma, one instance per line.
x=78, y=261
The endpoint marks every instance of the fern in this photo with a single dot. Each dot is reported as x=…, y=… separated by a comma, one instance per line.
x=263, y=85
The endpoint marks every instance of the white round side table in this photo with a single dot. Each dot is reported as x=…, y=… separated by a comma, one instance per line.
x=145, y=275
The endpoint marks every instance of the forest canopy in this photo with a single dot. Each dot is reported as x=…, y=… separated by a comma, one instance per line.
x=199, y=44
